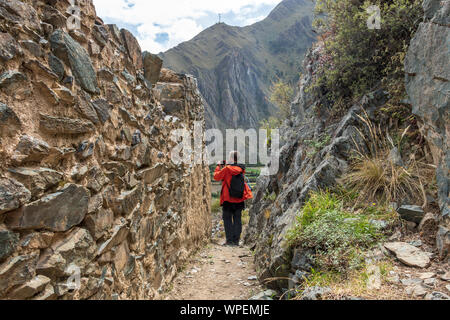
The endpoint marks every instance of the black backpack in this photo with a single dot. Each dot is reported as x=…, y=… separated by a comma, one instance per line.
x=237, y=186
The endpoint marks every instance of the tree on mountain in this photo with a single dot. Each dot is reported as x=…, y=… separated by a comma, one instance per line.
x=281, y=95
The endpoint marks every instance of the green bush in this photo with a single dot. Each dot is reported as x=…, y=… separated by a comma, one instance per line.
x=357, y=59
x=337, y=236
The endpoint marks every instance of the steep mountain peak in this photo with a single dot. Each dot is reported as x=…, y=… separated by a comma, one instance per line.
x=235, y=66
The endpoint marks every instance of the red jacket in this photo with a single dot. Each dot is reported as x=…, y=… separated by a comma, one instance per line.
x=225, y=175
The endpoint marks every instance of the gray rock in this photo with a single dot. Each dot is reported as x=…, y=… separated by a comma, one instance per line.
x=128, y=200
x=57, y=212
x=119, y=235
x=396, y=158
x=57, y=66
x=11, y=79
x=436, y=295
x=103, y=109
x=98, y=223
x=17, y=271
x=86, y=108
x=31, y=149
x=32, y=47
x=37, y=180
x=409, y=254
x=20, y=13
x=85, y=150
x=74, y=55
x=411, y=282
x=172, y=106
x=65, y=125
x=9, y=121
x=9, y=48
x=315, y=293
x=8, y=243
x=100, y=34
x=76, y=248
x=152, y=67
x=13, y=195
x=427, y=80
x=30, y=289
x=133, y=48
x=411, y=213
x=443, y=241
x=265, y=295
x=302, y=260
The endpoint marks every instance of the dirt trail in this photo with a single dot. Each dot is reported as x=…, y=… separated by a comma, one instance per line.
x=217, y=273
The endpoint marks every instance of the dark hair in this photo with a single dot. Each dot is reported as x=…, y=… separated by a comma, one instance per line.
x=235, y=156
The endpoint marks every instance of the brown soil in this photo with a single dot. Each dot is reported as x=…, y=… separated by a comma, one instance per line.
x=217, y=273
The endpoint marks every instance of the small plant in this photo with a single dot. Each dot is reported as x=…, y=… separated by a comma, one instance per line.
x=215, y=206
x=376, y=174
x=317, y=145
x=245, y=217
x=337, y=236
x=270, y=197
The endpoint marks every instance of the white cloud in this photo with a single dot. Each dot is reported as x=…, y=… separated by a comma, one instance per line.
x=178, y=18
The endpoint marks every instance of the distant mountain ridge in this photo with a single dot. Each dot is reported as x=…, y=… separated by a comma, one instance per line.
x=235, y=66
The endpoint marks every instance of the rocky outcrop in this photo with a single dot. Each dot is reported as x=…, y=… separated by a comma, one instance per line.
x=88, y=190
x=303, y=168
x=428, y=87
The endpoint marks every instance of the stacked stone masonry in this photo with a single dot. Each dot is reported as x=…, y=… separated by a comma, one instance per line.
x=86, y=179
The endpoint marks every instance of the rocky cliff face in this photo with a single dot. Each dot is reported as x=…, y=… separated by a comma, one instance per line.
x=428, y=86
x=303, y=169
x=87, y=187
x=235, y=66
x=280, y=198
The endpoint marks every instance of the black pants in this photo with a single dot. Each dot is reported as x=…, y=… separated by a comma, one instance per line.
x=232, y=220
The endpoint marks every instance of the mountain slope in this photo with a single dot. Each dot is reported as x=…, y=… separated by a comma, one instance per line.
x=235, y=66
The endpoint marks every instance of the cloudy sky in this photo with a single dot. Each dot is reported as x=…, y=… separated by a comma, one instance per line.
x=162, y=24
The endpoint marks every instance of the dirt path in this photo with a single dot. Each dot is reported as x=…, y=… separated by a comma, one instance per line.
x=217, y=273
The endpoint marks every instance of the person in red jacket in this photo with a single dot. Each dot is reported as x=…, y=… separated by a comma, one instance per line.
x=232, y=207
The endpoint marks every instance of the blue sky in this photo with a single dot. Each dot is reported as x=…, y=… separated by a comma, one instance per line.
x=162, y=24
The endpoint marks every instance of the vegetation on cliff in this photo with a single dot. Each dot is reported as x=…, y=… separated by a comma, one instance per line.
x=358, y=58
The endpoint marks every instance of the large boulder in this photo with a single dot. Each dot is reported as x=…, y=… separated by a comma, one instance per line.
x=74, y=55
x=57, y=212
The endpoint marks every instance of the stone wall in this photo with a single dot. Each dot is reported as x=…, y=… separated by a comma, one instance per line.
x=86, y=180
x=428, y=86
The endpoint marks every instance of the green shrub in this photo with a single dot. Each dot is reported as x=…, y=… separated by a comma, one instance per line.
x=337, y=236
x=215, y=206
x=357, y=59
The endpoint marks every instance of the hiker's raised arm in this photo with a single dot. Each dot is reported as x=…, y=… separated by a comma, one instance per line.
x=220, y=173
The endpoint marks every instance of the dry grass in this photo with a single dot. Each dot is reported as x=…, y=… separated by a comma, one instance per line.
x=377, y=177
